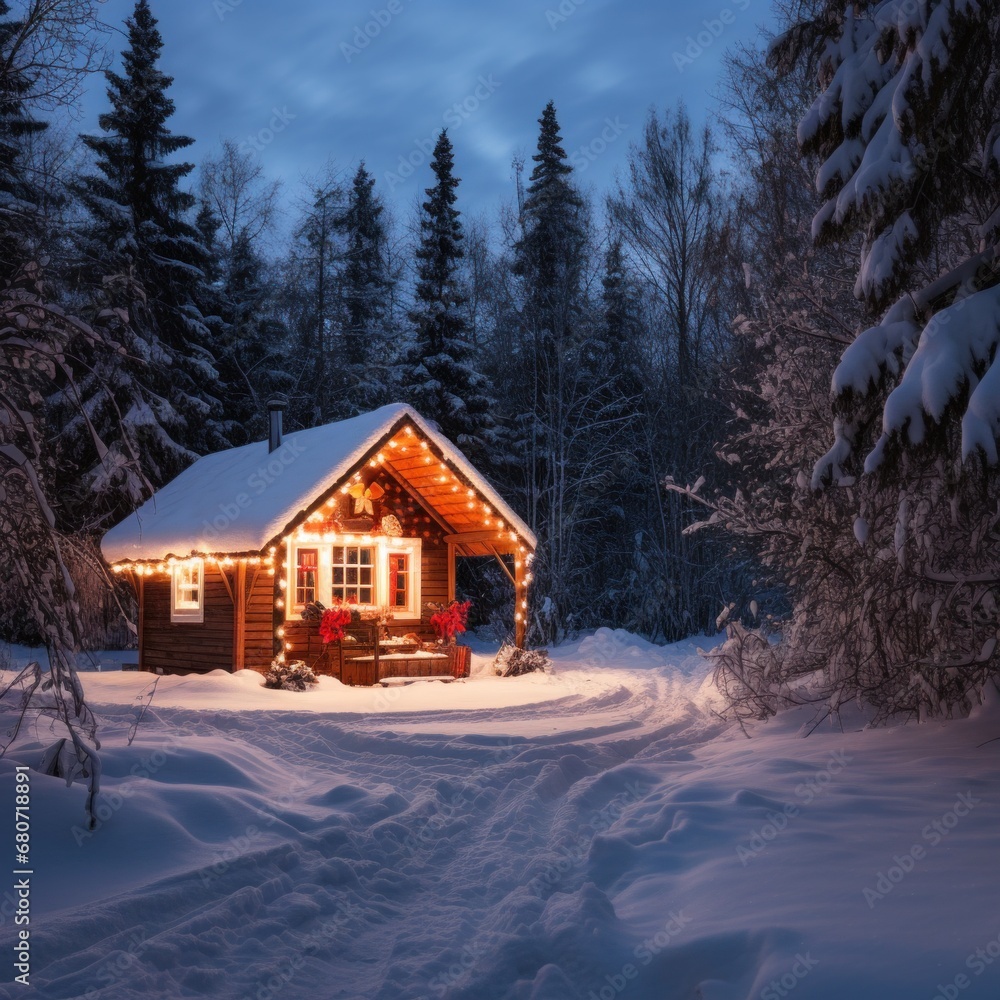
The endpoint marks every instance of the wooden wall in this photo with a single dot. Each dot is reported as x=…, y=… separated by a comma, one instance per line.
x=259, y=645
x=187, y=647
x=199, y=647
x=434, y=579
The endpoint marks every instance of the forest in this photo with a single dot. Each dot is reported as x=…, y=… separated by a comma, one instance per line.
x=753, y=385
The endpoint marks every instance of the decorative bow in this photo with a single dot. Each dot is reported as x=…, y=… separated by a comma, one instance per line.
x=364, y=495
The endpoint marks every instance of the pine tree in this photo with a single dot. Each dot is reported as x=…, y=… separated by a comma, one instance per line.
x=17, y=194
x=549, y=255
x=255, y=342
x=238, y=205
x=138, y=233
x=557, y=403
x=439, y=378
x=891, y=575
x=622, y=328
x=904, y=132
x=364, y=366
x=312, y=307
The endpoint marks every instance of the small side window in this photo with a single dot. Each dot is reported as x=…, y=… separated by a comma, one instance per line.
x=306, y=576
x=187, y=592
x=399, y=580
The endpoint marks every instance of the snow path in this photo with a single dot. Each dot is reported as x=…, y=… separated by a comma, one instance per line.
x=586, y=845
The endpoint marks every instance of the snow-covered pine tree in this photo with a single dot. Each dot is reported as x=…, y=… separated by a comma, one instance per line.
x=905, y=133
x=439, y=376
x=17, y=195
x=890, y=576
x=141, y=254
x=363, y=368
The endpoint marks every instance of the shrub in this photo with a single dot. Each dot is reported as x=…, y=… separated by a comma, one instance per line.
x=512, y=661
x=291, y=676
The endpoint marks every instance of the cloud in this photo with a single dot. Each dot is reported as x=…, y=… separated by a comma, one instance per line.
x=407, y=62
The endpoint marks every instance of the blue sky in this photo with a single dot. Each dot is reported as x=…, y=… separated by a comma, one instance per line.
x=304, y=82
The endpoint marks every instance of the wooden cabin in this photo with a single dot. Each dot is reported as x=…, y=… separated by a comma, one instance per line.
x=373, y=511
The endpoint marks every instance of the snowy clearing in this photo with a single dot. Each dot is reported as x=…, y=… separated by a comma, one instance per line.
x=595, y=832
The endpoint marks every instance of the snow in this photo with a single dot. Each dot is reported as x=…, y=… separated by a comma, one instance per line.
x=241, y=499
x=596, y=831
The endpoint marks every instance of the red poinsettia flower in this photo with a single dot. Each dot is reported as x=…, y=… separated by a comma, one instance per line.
x=333, y=623
x=449, y=621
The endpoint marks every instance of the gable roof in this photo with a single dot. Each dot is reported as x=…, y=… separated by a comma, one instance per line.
x=242, y=499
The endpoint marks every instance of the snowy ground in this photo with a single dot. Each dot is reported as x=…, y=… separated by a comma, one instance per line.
x=595, y=832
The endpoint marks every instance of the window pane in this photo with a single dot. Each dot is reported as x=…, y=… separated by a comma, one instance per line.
x=354, y=573
x=306, y=574
x=187, y=587
x=398, y=580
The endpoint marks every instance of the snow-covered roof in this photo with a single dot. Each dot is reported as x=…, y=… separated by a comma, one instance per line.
x=241, y=499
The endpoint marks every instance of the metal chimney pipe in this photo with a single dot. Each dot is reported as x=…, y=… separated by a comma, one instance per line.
x=275, y=411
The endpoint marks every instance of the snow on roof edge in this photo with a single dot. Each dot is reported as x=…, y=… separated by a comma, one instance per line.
x=168, y=523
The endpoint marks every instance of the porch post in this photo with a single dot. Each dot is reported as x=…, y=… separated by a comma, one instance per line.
x=451, y=571
x=520, y=599
x=141, y=624
x=239, y=615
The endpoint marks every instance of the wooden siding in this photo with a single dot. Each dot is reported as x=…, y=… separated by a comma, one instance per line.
x=200, y=647
x=259, y=633
x=434, y=580
x=187, y=647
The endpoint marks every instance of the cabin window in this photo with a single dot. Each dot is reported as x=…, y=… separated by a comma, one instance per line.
x=399, y=580
x=354, y=573
x=306, y=576
x=372, y=572
x=187, y=591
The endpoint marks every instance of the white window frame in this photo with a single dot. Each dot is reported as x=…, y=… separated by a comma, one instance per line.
x=190, y=612
x=383, y=546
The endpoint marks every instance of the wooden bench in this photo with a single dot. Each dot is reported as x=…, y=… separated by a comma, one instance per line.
x=403, y=681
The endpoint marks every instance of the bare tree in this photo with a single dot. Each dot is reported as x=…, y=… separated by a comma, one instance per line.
x=667, y=216
x=55, y=46
x=236, y=188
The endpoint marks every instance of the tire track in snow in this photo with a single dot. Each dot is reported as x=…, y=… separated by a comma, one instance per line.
x=438, y=850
